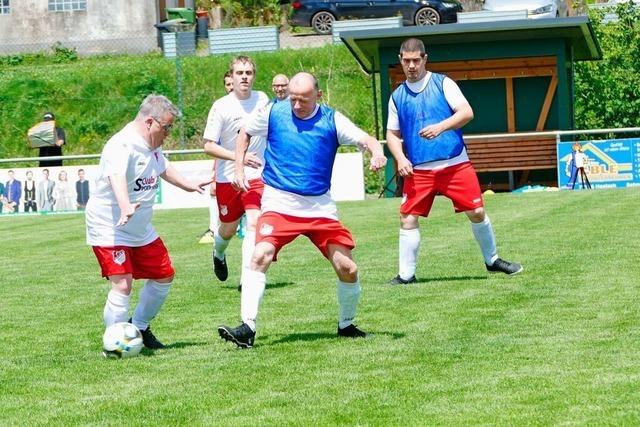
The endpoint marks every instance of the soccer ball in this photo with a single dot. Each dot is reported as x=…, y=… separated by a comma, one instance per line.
x=121, y=340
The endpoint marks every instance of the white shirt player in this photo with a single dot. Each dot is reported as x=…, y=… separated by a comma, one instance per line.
x=125, y=154
x=285, y=202
x=454, y=97
x=226, y=117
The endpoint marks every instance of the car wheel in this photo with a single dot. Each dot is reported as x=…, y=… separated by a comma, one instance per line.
x=322, y=22
x=427, y=16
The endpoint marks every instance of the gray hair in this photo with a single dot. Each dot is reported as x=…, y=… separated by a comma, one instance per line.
x=157, y=106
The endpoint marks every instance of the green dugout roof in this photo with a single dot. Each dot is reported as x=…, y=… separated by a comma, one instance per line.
x=366, y=45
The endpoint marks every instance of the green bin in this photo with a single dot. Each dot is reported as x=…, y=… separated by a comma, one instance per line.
x=189, y=15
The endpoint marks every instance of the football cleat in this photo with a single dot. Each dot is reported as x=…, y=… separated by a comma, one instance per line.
x=148, y=339
x=206, y=237
x=351, y=331
x=242, y=336
x=506, y=267
x=220, y=268
x=400, y=281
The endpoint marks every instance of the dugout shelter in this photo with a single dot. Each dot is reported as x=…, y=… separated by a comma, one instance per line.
x=517, y=76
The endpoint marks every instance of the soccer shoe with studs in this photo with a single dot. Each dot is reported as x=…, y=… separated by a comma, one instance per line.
x=206, y=237
x=400, y=281
x=148, y=339
x=351, y=331
x=242, y=336
x=502, y=266
x=220, y=268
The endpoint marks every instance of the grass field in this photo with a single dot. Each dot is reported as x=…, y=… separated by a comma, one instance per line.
x=558, y=344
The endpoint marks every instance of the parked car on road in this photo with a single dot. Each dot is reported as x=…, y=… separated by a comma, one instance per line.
x=320, y=14
x=535, y=8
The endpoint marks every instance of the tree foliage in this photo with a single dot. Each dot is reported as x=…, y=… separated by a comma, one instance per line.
x=607, y=90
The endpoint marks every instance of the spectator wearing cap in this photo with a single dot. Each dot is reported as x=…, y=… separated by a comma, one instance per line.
x=53, y=150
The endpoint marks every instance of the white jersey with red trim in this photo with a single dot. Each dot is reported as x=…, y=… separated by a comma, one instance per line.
x=126, y=154
x=226, y=117
x=284, y=202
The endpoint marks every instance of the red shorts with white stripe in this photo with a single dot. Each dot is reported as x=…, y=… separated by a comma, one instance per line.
x=150, y=261
x=458, y=183
x=280, y=230
x=232, y=204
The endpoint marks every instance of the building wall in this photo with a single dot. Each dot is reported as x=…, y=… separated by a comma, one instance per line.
x=107, y=26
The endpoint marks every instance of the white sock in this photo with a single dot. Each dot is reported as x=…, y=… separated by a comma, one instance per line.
x=220, y=245
x=152, y=297
x=483, y=232
x=409, y=244
x=116, y=309
x=248, y=245
x=348, y=296
x=252, y=292
x=213, y=215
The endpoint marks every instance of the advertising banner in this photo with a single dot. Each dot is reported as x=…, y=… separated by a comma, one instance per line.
x=64, y=189
x=599, y=164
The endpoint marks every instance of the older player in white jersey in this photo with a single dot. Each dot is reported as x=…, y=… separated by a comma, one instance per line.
x=226, y=118
x=119, y=211
x=302, y=141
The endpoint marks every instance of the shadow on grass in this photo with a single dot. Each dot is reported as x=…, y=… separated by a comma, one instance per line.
x=147, y=352
x=450, y=279
x=279, y=285
x=315, y=336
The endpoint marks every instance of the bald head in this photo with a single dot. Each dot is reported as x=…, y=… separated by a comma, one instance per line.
x=304, y=93
x=280, y=86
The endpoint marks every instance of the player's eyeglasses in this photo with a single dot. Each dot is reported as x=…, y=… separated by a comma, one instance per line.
x=166, y=128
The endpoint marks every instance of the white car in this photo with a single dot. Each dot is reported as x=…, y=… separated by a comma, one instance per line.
x=536, y=9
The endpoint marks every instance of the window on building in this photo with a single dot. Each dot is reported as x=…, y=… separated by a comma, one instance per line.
x=66, y=5
x=4, y=7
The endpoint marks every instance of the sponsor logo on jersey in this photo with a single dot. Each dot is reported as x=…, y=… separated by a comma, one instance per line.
x=266, y=229
x=145, y=184
x=119, y=256
x=224, y=210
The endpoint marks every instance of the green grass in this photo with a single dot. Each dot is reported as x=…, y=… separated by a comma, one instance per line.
x=558, y=344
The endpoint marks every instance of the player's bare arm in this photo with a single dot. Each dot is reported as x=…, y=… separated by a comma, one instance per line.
x=378, y=159
x=463, y=114
x=172, y=176
x=127, y=209
x=242, y=143
x=217, y=151
x=394, y=143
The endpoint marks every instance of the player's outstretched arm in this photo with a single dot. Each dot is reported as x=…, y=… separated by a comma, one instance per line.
x=373, y=146
x=172, y=176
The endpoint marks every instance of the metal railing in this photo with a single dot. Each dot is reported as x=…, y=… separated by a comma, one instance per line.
x=557, y=134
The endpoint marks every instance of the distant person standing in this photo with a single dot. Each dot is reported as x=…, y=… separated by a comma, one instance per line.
x=82, y=191
x=44, y=194
x=56, y=148
x=280, y=87
x=30, y=194
x=228, y=82
x=426, y=114
x=13, y=192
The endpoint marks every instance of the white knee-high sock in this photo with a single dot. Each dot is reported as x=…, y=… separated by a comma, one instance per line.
x=116, y=309
x=409, y=245
x=348, y=296
x=219, y=246
x=248, y=245
x=483, y=232
x=152, y=297
x=252, y=292
x=213, y=215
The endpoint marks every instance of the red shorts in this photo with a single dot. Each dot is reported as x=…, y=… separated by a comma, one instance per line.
x=144, y=262
x=232, y=204
x=459, y=183
x=280, y=230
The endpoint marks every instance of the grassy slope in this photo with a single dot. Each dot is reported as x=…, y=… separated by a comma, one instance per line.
x=556, y=345
x=94, y=97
